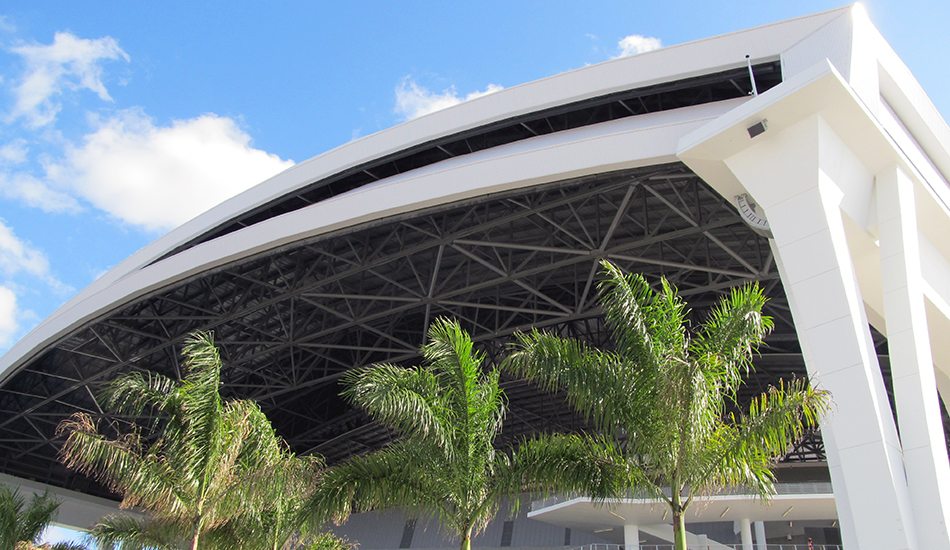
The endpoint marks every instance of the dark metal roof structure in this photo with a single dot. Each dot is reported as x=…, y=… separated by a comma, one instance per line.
x=290, y=322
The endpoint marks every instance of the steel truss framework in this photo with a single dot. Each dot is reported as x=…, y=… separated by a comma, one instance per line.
x=290, y=322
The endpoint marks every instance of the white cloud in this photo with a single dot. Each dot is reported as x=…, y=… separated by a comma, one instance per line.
x=157, y=177
x=68, y=63
x=413, y=101
x=13, y=152
x=6, y=25
x=8, y=316
x=637, y=43
x=16, y=256
x=34, y=192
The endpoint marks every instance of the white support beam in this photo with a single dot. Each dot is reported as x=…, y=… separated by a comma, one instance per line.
x=745, y=530
x=794, y=175
x=631, y=537
x=912, y=364
x=760, y=542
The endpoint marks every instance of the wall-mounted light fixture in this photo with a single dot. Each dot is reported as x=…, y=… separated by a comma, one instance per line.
x=758, y=128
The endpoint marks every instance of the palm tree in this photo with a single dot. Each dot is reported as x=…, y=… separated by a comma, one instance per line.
x=664, y=391
x=22, y=523
x=214, y=461
x=448, y=413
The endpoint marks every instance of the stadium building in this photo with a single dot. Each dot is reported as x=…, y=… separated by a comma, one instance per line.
x=802, y=155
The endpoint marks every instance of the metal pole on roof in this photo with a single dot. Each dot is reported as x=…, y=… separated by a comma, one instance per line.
x=755, y=91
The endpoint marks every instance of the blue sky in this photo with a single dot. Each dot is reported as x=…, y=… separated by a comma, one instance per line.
x=119, y=121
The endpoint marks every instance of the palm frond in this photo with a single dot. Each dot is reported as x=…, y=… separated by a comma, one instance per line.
x=730, y=462
x=449, y=352
x=386, y=478
x=38, y=514
x=23, y=520
x=11, y=511
x=742, y=451
x=124, y=532
x=327, y=541
x=728, y=338
x=117, y=463
x=579, y=464
x=199, y=418
x=647, y=326
x=781, y=415
x=598, y=383
x=399, y=397
x=135, y=391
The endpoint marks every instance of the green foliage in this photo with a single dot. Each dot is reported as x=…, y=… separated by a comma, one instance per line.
x=48, y=546
x=23, y=521
x=217, y=464
x=132, y=533
x=661, y=395
x=327, y=541
x=447, y=413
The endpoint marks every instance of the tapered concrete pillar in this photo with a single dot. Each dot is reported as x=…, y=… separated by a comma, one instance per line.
x=912, y=370
x=631, y=537
x=745, y=532
x=760, y=542
x=796, y=175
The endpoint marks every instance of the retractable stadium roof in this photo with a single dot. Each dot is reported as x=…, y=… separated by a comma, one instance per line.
x=496, y=212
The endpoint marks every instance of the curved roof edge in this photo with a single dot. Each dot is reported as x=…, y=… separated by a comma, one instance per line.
x=584, y=151
x=657, y=66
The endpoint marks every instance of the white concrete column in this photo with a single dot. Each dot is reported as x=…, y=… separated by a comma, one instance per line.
x=745, y=531
x=912, y=368
x=760, y=542
x=631, y=537
x=702, y=542
x=789, y=174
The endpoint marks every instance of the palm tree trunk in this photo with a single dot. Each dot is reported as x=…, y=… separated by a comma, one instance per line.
x=679, y=519
x=679, y=531
x=194, y=539
x=467, y=538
